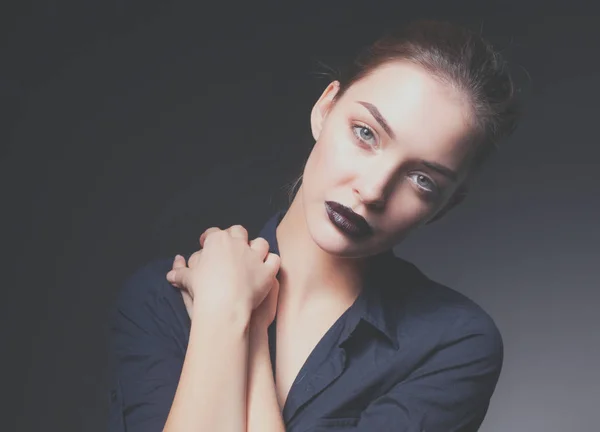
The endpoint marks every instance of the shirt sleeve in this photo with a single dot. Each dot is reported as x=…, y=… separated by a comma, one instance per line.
x=450, y=392
x=148, y=333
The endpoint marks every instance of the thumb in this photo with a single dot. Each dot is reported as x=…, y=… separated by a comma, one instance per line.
x=273, y=263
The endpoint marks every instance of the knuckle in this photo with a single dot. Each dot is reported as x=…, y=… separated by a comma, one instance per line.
x=261, y=242
x=220, y=234
x=208, y=232
x=210, y=238
x=238, y=228
x=275, y=259
x=194, y=258
x=216, y=237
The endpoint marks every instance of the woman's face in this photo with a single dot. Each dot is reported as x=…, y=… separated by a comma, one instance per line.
x=394, y=148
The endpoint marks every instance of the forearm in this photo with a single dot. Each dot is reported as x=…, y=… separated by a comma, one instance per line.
x=264, y=412
x=211, y=394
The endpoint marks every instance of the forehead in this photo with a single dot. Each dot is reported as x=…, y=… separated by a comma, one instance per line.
x=427, y=115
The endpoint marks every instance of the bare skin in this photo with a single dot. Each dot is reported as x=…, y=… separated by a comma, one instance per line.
x=396, y=149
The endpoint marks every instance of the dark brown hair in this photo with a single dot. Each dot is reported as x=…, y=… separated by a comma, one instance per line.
x=458, y=57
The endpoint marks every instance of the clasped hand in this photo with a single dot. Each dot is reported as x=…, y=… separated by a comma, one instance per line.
x=228, y=271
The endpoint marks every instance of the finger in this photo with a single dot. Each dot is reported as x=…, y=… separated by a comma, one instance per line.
x=273, y=262
x=175, y=284
x=206, y=233
x=194, y=258
x=261, y=246
x=178, y=276
x=179, y=261
x=238, y=231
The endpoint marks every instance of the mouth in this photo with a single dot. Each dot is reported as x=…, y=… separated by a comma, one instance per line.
x=347, y=221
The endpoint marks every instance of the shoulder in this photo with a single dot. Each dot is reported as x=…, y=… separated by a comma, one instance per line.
x=146, y=282
x=148, y=300
x=440, y=310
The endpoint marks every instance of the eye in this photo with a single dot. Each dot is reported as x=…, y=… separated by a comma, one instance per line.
x=424, y=183
x=364, y=134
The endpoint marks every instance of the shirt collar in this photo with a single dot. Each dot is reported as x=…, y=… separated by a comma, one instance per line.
x=371, y=306
x=375, y=305
x=268, y=231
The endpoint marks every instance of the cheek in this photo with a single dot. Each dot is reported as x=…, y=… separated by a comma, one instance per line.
x=332, y=160
x=406, y=213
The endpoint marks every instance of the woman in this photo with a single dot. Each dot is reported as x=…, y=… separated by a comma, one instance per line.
x=362, y=340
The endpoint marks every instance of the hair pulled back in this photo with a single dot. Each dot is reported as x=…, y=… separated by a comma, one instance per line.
x=458, y=57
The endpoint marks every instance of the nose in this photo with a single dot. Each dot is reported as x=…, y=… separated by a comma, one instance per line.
x=373, y=188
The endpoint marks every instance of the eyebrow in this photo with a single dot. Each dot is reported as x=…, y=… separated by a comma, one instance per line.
x=441, y=169
x=380, y=119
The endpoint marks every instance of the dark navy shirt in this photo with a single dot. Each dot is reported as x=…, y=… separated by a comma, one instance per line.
x=409, y=355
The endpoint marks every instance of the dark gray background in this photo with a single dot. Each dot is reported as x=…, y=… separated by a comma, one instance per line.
x=129, y=127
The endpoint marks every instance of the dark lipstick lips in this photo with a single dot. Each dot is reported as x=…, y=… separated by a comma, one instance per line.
x=347, y=220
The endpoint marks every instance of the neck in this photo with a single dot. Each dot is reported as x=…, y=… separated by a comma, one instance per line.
x=308, y=274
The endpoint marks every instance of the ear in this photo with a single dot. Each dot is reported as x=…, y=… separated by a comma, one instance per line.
x=458, y=197
x=322, y=107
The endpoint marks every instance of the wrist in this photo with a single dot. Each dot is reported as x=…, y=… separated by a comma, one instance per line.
x=258, y=331
x=258, y=338
x=234, y=315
